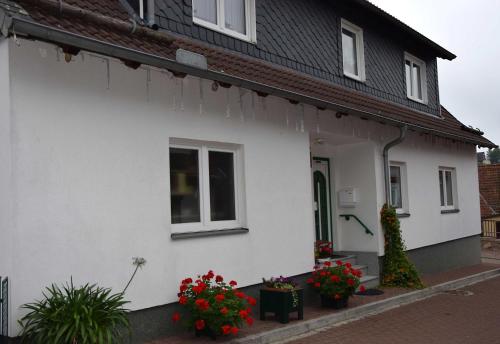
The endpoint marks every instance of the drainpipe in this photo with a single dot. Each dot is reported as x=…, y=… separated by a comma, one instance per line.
x=385, y=154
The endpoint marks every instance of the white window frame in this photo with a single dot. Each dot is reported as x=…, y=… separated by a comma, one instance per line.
x=250, y=21
x=423, y=76
x=206, y=224
x=404, y=186
x=454, y=190
x=360, y=50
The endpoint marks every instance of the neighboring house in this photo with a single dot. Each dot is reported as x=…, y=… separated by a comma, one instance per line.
x=489, y=194
x=231, y=139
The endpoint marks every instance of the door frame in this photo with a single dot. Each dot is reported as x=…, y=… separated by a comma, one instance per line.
x=329, y=182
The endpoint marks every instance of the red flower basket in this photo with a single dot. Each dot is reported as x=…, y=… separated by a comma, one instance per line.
x=214, y=307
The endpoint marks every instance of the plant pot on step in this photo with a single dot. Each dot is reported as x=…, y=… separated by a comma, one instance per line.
x=331, y=302
x=281, y=302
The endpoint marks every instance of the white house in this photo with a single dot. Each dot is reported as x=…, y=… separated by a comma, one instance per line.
x=118, y=140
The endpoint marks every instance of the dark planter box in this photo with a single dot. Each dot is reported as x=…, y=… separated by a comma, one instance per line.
x=206, y=332
x=280, y=302
x=330, y=302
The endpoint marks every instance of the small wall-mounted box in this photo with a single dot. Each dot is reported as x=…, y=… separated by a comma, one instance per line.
x=348, y=197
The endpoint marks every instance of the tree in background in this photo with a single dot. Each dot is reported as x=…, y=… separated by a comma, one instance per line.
x=494, y=155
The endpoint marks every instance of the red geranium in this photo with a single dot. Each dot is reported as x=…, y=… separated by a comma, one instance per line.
x=211, y=303
x=249, y=321
x=176, y=317
x=339, y=281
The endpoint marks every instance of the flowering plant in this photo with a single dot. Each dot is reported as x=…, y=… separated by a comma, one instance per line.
x=338, y=281
x=214, y=305
x=323, y=249
x=283, y=283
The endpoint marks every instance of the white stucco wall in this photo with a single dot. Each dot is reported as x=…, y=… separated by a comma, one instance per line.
x=423, y=157
x=93, y=179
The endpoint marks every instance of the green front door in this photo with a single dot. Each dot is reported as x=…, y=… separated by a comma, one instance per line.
x=321, y=200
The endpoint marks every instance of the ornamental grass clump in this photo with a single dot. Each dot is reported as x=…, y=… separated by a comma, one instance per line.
x=75, y=315
x=398, y=271
x=214, y=307
x=336, y=281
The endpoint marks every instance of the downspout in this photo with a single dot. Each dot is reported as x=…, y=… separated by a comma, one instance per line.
x=385, y=154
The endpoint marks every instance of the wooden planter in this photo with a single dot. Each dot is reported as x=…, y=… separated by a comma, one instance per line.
x=280, y=302
x=206, y=332
x=330, y=302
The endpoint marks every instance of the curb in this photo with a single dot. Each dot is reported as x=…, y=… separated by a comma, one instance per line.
x=314, y=325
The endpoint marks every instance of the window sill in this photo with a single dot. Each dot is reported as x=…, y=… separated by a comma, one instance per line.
x=416, y=100
x=403, y=215
x=211, y=233
x=354, y=77
x=450, y=211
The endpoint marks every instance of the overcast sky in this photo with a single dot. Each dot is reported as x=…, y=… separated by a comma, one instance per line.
x=470, y=84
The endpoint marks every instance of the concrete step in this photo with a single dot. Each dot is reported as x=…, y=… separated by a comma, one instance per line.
x=363, y=268
x=370, y=281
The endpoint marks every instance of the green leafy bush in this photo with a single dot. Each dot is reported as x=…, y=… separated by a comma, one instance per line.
x=70, y=315
x=398, y=271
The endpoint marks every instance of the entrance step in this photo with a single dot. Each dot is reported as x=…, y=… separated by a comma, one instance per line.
x=363, y=268
x=370, y=281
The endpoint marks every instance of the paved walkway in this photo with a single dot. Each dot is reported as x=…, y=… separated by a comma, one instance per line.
x=468, y=316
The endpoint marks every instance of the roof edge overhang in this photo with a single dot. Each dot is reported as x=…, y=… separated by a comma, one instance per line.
x=30, y=29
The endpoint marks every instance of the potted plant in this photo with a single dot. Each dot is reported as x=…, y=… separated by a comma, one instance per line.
x=323, y=251
x=281, y=296
x=335, y=283
x=213, y=306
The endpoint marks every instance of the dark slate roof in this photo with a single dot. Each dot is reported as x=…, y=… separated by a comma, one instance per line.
x=95, y=25
x=399, y=25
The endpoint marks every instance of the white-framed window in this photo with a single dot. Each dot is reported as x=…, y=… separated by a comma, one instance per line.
x=206, y=185
x=416, y=78
x=447, y=188
x=399, y=186
x=353, y=51
x=234, y=18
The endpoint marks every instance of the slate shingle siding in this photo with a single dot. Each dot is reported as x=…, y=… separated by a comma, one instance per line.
x=305, y=35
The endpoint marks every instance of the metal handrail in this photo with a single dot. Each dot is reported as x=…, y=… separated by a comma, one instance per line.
x=348, y=217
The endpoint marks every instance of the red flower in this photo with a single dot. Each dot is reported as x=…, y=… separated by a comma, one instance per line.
x=328, y=264
x=243, y=314
x=176, y=317
x=251, y=301
x=240, y=294
x=219, y=279
x=338, y=262
x=223, y=310
x=187, y=281
x=202, y=304
x=335, y=278
x=183, y=288
x=219, y=297
x=322, y=273
x=233, y=283
x=362, y=288
x=345, y=272
x=310, y=281
x=350, y=281
x=348, y=265
x=210, y=274
x=234, y=330
x=317, y=284
x=183, y=300
x=226, y=329
x=337, y=297
x=249, y=321
x=199, y=324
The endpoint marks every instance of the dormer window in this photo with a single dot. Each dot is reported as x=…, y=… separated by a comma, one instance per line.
x=416, y=80
x=353, y=55
x=234, y=18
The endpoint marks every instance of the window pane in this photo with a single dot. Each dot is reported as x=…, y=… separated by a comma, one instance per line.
x=184, y=185
x=441, y=187
x=417, y=81
x=449, y=188
x=408, y=79
x=396, y=199
x=349, y=52
x=234, y=13
x=222, y=203
x=206, y=10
